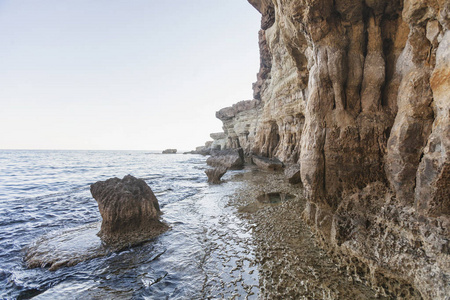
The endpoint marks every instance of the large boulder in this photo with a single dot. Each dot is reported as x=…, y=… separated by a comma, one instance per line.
x=232, y=159
x=215, y=174
x=129, y=209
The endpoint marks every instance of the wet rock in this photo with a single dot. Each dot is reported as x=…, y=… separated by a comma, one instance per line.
x=129, y=209
x=215, y=174
x=292, y=174
x=170, y=151
x=231, y=159
x=65, y=248
x=272, y=164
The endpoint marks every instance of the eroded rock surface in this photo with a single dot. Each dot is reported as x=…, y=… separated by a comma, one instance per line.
x=292, y=173
x=272, y=164
x=215, y=174
x=239, y=124
x=129, y=209
x=358, y=94
x=231, y=159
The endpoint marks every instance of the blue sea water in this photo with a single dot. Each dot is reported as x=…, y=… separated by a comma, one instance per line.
x=208, y=252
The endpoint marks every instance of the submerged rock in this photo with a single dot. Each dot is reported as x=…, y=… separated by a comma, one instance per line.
x=170, y=151
x=267, y=163
x=232, y=159
x=65, y=248
x=215, y=174
x=129, y=209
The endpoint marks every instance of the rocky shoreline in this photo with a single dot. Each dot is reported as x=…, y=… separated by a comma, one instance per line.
x=356, y=95
x=291, y=263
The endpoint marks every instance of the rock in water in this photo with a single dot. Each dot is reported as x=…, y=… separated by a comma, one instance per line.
x=215, y=174
x=129, y=209
x=170, y=151
x=65, y=248
x=232, y=159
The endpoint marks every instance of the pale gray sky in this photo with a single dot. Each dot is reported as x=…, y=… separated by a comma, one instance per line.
x=122, y=74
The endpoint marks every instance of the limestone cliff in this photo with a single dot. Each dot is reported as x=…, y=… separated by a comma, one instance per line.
x=239, y=124
x=358, y=93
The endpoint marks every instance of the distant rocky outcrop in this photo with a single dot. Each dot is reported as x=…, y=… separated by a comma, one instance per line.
x=129, y=209
x=215, y=174
x=170, y=151
x=219, y=142
x=231, y=159
x=239, y=124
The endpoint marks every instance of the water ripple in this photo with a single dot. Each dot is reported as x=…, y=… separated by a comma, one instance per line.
x=202, y=255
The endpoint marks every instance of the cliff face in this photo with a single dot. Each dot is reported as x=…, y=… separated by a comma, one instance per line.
x=358, y=93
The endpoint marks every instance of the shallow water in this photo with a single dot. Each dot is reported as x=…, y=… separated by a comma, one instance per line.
x=209, y=251
x=243, y=239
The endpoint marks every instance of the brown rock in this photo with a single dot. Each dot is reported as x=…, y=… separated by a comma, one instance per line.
x=292, y=174
x=357, y=93
x=272, y=164
x=129, y=209
x=215, y=174
x=231, y=159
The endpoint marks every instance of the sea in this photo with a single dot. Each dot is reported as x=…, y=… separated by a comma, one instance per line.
x=206, y=254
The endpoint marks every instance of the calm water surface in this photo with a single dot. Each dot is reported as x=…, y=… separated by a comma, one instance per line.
x=208, y=253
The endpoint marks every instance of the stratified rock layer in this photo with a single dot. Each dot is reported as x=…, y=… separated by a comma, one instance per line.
x=239, y=124
x=129, y=209
x=358, y=94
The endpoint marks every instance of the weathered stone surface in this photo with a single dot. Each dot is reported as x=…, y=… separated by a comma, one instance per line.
x=170, y=151
x=65, y=248
x=292, y=173
x=219, y=141
x=357, y=93
x=129, y=209
x=231, y=159
x=215, y=174
x=272, y=164
x=239, y=124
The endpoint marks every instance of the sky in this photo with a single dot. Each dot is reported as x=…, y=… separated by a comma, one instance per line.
x=122, y=74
